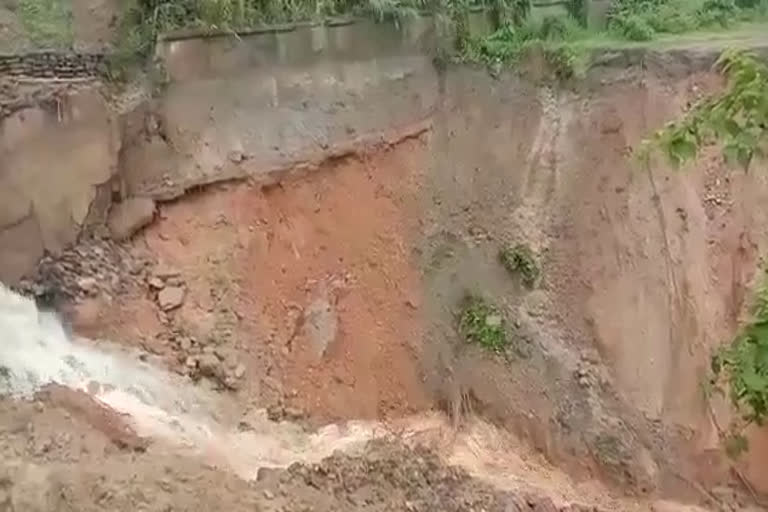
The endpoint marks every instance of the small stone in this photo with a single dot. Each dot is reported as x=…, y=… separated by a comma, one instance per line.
x=191, y=362
x=88, y=285
x=164, y=271
x=268, y=495
x=156, y=283
x=235, y=156
x=293, y=413
x=239, y=371
x=185, y=344
x=209, y=365
x=170, y=298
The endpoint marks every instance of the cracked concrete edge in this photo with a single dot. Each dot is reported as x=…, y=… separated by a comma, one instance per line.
x=262, y=174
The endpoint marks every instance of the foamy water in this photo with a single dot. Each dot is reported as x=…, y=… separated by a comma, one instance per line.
x=37, y=351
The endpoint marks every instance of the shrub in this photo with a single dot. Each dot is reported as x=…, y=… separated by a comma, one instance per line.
x=721, y=12
x=562, y=59
x=745, y=361
x=635, y=27
x=482, y=323
x=672, y=17
x=554, y=28
x=521, y=260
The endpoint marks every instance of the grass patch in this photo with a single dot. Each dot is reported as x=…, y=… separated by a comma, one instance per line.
x=566, y=44
x=482, y=323
x=520, y=260
x=549, y=37
x=642, y=20
x=48, y=23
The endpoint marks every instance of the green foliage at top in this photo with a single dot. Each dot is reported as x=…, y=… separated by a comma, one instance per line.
x=744, y=362
x=513, y=12
x=547, y=36
x=48, y=22
x=738, y=117
x=482, y=323
x=642, y=20
x=577, y=10
x=521, y=260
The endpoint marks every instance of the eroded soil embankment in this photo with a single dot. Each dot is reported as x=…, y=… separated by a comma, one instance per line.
x=335, y=296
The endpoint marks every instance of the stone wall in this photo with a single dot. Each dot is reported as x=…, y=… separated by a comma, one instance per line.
x=52, y=65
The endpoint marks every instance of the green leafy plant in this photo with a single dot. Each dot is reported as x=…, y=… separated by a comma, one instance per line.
x=520, y=260
x=642, y=20
x=563, y=60
x=744, y=363
x=738, y=118
x=635, y=27
x=482, y=323
x=554, y=28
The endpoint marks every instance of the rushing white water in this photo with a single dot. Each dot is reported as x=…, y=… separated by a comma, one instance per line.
x=37, y=351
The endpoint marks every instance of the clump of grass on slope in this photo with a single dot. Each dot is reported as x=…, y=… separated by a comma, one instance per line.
x=482, y=323
x=550, y=36
x=47, y=22
x=521, y=260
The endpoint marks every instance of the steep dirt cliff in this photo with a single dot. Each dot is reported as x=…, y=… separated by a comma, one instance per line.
x=327, y=284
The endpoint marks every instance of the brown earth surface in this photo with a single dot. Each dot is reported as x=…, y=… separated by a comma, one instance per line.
x=306, y=298
x=310, y=283
x=334, y=297
x=58, y=455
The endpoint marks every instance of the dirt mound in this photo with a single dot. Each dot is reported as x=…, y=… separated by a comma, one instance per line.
x=64, y=452
x=392, y=476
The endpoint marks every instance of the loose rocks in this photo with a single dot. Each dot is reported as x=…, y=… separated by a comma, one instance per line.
x=170, y=298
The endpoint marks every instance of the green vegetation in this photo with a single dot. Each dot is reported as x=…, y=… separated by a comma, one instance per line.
x=482, y=323
x=562, y=41
x=744, y=363
x=738, y=118
x=565, y=42
x=548, y=37
x=48, y=22
x=520, y=260
x=642, y=20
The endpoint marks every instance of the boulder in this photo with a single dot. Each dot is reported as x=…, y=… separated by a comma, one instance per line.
x=170, y=298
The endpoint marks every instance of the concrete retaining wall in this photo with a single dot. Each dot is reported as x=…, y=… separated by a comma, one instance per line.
x=247, y=105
